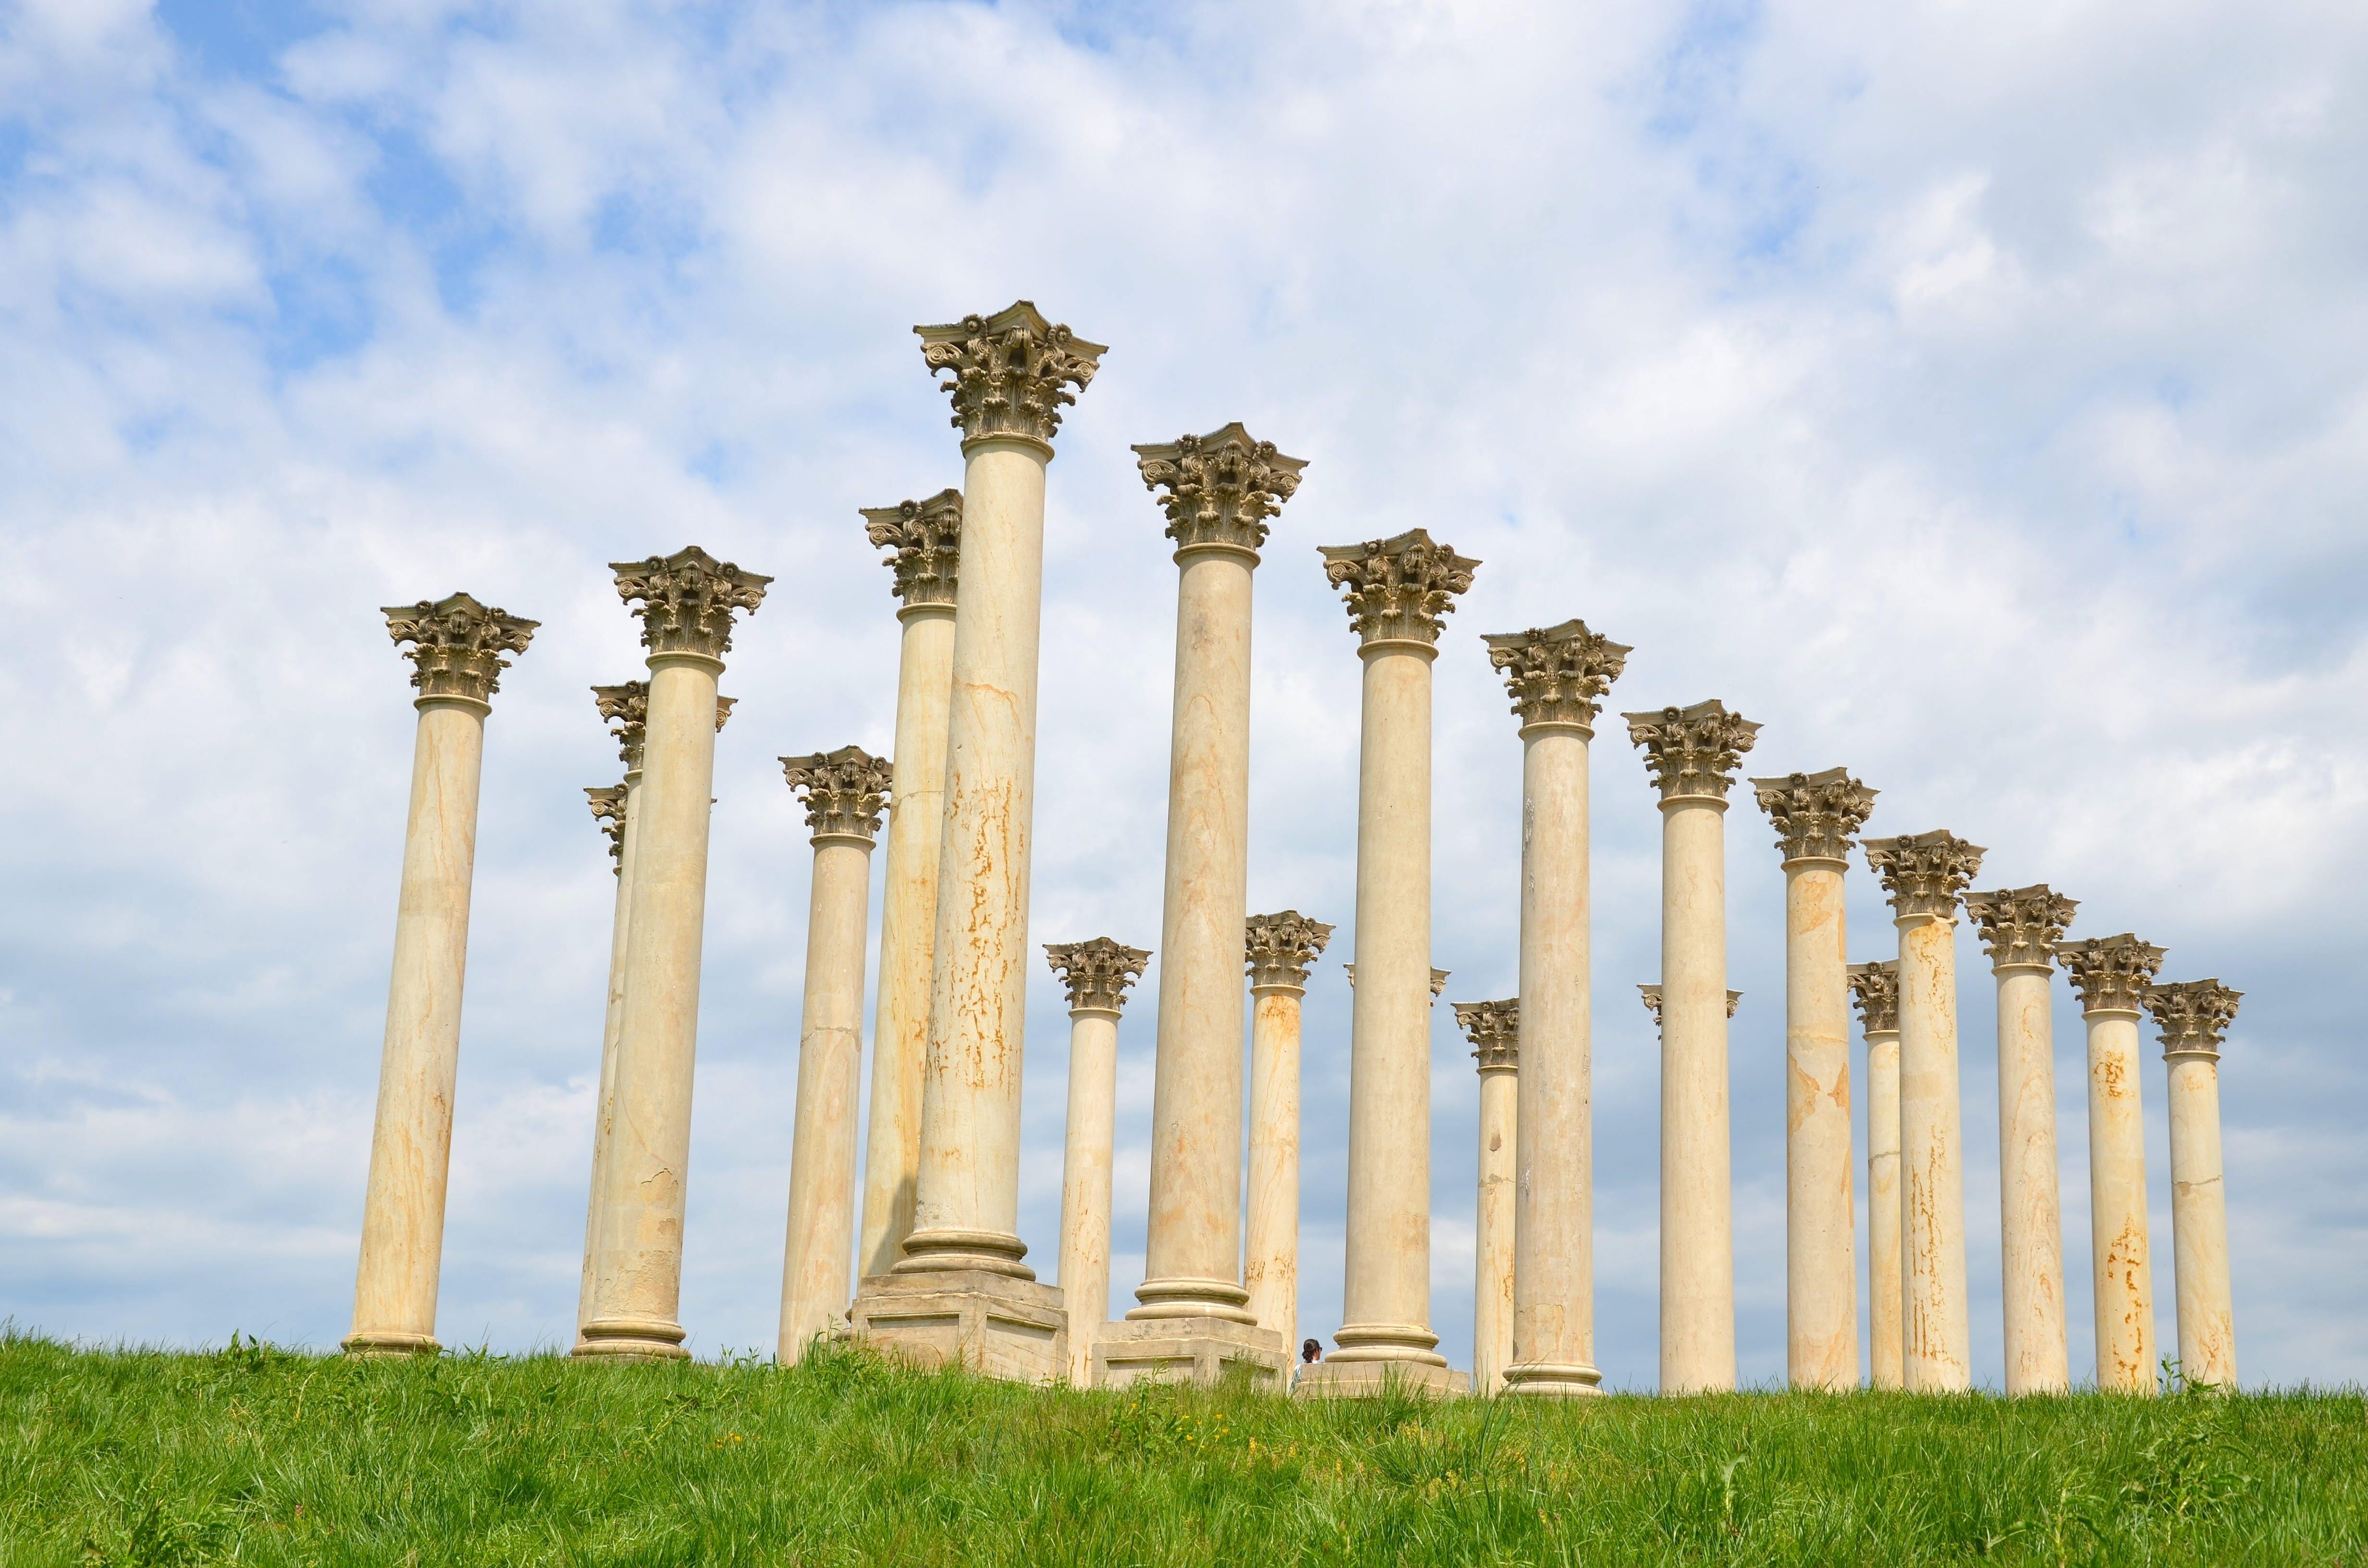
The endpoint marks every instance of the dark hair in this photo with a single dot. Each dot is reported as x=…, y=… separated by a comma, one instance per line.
x=1311, y=1351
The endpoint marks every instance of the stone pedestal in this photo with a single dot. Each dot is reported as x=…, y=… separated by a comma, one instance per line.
x=1556, y=676
x=1279, y=950
x=1340, y=1379
x=1200, y=1349
x=1494, y=1030
x=688, y=601
x=983, y=1319
x=2112, y=974
x=1398, y=590
x=1096, y=974
x=1816, y=816
x=844, y=790
x=2193, y=1017
x=2020, y=926
x=1220, y=492
x=1691, y=753
x=1925, y=874
x=1876, y=987
x=925, y=537
x=457, y=650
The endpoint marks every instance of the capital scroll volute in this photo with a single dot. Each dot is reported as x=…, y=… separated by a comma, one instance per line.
x=609, y=809
x=2020, y=926
x=1556, y=674
x=1278, y=950
x=1009, y=374
x=844, y=792
x=1398, y=590
x=1691, y=753
x=1875, y=988
x=2112, y=974
x=1494, y=1030
x=926, y=540
x=457, y=646
x=1816, y=815
x=687, y=600
x=2193, y=1017
x=1221, y=488
x=625, y=707
x=1097, y=973
x=1924, y=873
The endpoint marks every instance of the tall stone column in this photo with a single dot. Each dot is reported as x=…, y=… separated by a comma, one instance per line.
x=1221, y=490
x=1009, y=375
x=626, y=707
x=1691, y=754
x=1281, y=948
x=1398, y=591
x=2020, y=926
x=2112, y=974
x=1877, y=988
x=1925, y=873
x=687, y=604
x=844, y=790
x=456, y=650
x=1096, y=974
x=1495, y=1031
x=2193, y=1016
x=925, y=537
x=1556, y=676
x=1816, y=815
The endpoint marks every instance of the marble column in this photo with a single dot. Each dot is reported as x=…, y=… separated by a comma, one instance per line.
x=2020, y=926
x=456, y=648
x=1555, y=678
x=1008, y=376
x=1096, y=975
x=1279, y=950
x=1691, y=754
x=1220, y=493
x=1494, y=1030
x=626, y=707
x=925, y=537
x=1816, y=815
x=1875, y=987
x=844, y=792
x=2193, y=1016
x=2112, y=974
x=686, y=603
x=1924, y=874
x=1398, y=590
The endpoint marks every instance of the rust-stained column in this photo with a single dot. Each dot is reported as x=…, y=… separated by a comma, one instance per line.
x=1816, y=816
x=1279, y=950
x=1096, y=974
x=2193, y=1016
x=1495, y=1031
x=2020, y=926
x=2112, y=974
x=1877, y=988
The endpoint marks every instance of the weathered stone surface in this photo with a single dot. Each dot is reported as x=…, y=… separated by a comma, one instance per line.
x=2111, y=973
x=1399, y=589
x=844, y=790
x=1281, y=948
x=457, y=645
x=925, y=539
x=1816, y=814
x=1692, y=752
x=1556, y=674
x=687, y=600
x=1221, y=488
x=2020, y=926
x=1009, y=374
x=1097, y=973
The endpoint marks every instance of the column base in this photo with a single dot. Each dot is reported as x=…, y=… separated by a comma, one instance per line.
x=982, y=1320
x=630, y=1339
x=383, y=1343
x=1203, y=1350
x=941, y=1251
x=1364, y=1379
x=1553, y=1380
x=1191, y=1300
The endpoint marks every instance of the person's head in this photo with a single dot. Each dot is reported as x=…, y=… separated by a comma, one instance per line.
x=1311, y=1351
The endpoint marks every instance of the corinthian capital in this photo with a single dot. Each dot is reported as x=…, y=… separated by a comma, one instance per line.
x=608, y=811
x=1875, y=988
x=1816, y=813
x=2021, y=926
x=457, y=644
x=1009, y=373
x=1438, y=979
x=1556, y=674
x=626, y=707
x=926, y=539
x=843, y=790
x=688, y=599
x=1924, y=872
x=1097, y=972
x=1494, y=1030
x=2112, y=974
x=1281, y=948
x=1692, y=752
x=2193, y=1016
x=1399, y=589
x=1652, y=997
x=1222, y=487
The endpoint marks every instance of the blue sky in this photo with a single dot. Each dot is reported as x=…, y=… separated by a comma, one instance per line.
x=1974, y=399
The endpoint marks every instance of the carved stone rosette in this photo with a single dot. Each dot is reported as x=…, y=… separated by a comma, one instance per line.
x=1692, y=752
x=688, y=599
x=1875, y=988
x=2193, y=1016
x=1652, y=998
x=1494, y=1030
x=1554, y=675
x=1098, y=973
x=608, y=811
x=1816, y=814
x=844, y=790
x=1281, y=948
x=1924, y=873
x=1009, y=373
x=2112, y=974
x=457, y=645
x=1221, y=487
x=925, y=537
x=626, y=707
x=1399, y=590
x=2021, y=926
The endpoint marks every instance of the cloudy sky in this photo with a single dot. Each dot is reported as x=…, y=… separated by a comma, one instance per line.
x=1974, y=395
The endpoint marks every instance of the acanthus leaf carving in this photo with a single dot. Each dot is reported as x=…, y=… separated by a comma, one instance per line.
x=1399, y=589
x=1494, y=1030
x=1816, y=814
x=1222, y=487
x=926, y=539
x=1098, y=973
x=2193, y=1015
x=688, y=599
x=626, y=709
x=457, y=644
x=2020, y=926
x=1924, y=873
x=2112, y=974
x=1692, y=752
x=1875, y=988
x=844, y=790
x=1278, y=950
x=1554, y=675
x=1009, y=373
x=609, y=809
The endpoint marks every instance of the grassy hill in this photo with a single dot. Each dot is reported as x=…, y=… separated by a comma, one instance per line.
x=254, y=1455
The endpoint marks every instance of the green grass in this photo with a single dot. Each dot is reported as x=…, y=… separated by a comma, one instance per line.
x=253, y=1455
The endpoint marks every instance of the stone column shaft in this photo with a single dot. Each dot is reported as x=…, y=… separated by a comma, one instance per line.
x=1279, y=950
x=1096, y=974
x=2112, y=974
x=2193, y=1018
x=457, y=654
x=604, y=1095
x=1495, y=1031
x=1877, y=988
